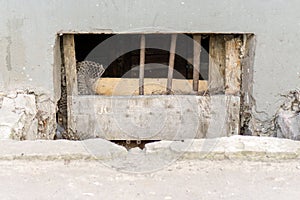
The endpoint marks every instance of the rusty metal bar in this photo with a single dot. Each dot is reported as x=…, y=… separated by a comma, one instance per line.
x=171, y=63
x=196, y=61
x=142, y=65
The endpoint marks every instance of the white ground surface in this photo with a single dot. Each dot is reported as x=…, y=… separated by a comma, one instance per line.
x=181, y=180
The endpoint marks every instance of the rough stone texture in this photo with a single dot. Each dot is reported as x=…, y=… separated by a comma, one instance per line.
x=289, y=125
x=25, y=115
x=46, y=117
x=288, y=117
x=17, y=116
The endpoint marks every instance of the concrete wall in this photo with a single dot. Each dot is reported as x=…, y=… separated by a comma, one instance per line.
x=28, y=38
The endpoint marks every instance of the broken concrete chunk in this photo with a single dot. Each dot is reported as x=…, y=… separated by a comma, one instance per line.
x=103, y=149
x=26, y=102
x=8, y=104
x=288, y=117
x=17, y=117
x=5, y=132
x=288, y=125
x=8, y=120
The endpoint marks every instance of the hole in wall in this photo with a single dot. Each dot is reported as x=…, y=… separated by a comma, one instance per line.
x=119, y=66
x=129, y=144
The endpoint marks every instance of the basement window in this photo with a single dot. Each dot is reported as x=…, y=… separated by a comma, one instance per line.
x=119, y=86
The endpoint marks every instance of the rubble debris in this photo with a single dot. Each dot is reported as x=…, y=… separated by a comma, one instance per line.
x=25, y=115
x=17, y=117
x=288, y=117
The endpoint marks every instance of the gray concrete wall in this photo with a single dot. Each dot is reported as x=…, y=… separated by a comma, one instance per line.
x=28, y=32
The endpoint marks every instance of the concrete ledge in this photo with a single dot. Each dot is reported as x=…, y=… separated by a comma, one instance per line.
x=59, y=150
x=239, y=147
x=235, y=147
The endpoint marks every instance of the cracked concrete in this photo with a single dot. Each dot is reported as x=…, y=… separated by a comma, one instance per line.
x=288, y=117
x=17, y=116
x=25, y=115
x=234, y=147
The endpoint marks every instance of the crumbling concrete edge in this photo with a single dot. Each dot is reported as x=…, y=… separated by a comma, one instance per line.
x=248, y=148
x=27, y=115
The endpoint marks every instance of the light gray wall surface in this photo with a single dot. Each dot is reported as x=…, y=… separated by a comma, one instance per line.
x=28, y=32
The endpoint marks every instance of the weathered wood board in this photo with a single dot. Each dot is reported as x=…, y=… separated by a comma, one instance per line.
x=216, y=77
x=71, y=75
x=232, y=66
x=164, y=117
x=130, y=86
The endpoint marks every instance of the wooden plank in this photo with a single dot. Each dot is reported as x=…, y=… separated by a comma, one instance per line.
x=233, y=83
x=142, y=65
x=233, y=65
x=196, y=61
x=247, y=62
x=70, y=64
x=128, y=86
x=232, y=115
x=216, y=76
x=71, y=77
x=171, y=63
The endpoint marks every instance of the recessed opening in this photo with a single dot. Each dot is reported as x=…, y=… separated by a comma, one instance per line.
x=140, y=72
x=120, y=56
x=85, y=43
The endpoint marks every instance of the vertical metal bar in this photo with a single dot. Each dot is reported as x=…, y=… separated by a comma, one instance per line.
x=171, y=63
x=142, y=65
x=196, y=61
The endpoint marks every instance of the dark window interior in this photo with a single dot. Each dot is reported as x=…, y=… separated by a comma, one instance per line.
x=156, y=60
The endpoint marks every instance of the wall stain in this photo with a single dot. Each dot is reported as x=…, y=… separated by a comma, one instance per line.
x=8, y=54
